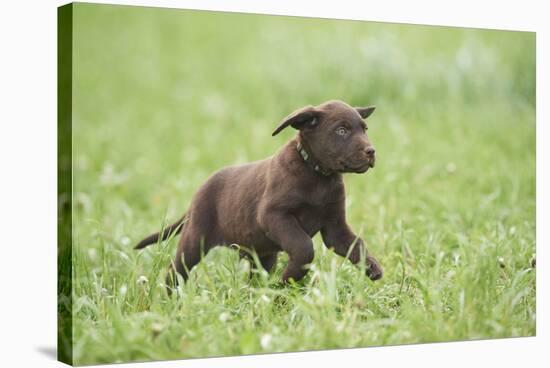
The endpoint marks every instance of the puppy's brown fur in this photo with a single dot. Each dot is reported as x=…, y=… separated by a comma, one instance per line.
x=280, y=203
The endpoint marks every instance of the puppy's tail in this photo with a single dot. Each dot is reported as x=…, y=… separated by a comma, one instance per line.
x=173, y=229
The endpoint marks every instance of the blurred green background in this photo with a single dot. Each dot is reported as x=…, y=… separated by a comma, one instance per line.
x=163, y=98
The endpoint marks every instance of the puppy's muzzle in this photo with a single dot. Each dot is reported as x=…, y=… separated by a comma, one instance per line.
x=370, y=154
x=361, y=161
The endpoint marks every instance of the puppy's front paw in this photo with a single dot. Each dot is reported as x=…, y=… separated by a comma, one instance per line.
x=374, y=270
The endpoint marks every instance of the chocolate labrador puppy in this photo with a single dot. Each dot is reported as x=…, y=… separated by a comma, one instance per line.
x=280, y=203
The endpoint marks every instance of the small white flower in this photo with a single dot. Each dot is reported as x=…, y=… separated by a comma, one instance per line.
x=451, y=167
x=92, y=254
x=245, y=267
x=456, y=259
x=224, y=317
x=265, y=341
x=142, y=280
x=157, y=328
x=265, y=298
x=123, y=289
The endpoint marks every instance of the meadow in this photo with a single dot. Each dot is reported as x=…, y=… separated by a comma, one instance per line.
x=163, y=98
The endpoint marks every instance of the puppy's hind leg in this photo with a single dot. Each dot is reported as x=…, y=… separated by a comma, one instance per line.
x=190, y=251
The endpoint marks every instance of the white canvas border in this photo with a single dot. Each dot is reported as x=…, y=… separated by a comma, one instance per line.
x=28, y=184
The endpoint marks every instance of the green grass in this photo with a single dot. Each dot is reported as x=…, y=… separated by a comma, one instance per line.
x=163, y=98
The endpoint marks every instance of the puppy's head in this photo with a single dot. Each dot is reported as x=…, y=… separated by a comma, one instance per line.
x=335, y=134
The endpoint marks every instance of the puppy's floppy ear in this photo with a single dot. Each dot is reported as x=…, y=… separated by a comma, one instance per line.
x=299, y=119
x=365, y=112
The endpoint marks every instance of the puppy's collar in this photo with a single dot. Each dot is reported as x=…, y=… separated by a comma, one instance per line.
x=309, y=160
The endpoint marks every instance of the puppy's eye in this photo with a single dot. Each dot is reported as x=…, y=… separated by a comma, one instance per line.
x=341, y=131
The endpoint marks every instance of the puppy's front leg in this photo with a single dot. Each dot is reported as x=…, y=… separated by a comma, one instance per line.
x=284, y=229
x=337, y=235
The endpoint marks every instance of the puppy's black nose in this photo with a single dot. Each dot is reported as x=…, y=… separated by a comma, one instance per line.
x=370, y=151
